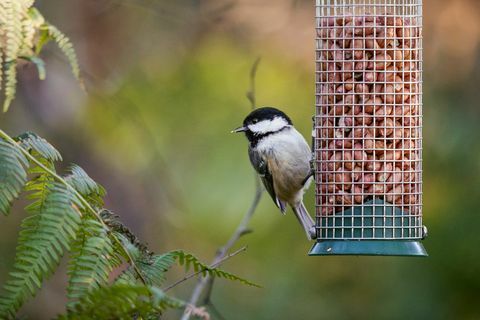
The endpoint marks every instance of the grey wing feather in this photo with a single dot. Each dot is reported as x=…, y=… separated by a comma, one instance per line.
x=261, y=166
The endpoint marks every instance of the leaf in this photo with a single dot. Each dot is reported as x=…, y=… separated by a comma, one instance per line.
x=23, y=33
x=66, y=46
x=90, y=264
x=129, y=240
x=39, y=63
x=86, y=186
x=121, y=301
x=12, y=174
x=44, y=237
x=152, y=267
x=12, y=11
x=43, y=39
x=188, y=260
x=31, y=141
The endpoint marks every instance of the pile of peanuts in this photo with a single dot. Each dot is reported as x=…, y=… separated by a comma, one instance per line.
x=369, y=117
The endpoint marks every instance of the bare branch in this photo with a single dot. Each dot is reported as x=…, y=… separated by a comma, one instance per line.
x=215, y=311
x=251, y=95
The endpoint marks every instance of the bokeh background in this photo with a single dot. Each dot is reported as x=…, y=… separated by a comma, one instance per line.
x=166, y=83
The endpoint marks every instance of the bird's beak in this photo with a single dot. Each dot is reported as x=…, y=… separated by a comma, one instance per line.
x=239, y=129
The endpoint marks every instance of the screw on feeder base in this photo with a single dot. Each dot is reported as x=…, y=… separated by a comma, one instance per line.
x=424, y=232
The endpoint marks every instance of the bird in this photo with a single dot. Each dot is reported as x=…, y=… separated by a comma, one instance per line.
x=282, y=158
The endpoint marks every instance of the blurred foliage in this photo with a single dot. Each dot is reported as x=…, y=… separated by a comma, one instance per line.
x=24, y=32
x=166, y=87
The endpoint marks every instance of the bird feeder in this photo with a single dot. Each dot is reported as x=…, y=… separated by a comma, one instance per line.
x=368, y=128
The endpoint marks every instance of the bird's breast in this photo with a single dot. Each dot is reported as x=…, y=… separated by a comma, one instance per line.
x=288, y=156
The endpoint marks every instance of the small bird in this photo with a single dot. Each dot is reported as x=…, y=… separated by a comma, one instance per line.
x=281, y=157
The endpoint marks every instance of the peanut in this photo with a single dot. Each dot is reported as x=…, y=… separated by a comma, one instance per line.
x=383, y=61
x=343, y=179
x=357, y=173
x=363, y=120
x=348, y=164
x=372, y=164
x=396, y=176
x=357, y=194
x=326, y=130
x=370, y=104
x=359, y=154
x=386, y=127
x=389, y=96
x=369, y=77
x=344, y=198
x=394, y=195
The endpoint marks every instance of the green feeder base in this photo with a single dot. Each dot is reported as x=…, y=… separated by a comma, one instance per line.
x=368, y=248
x=360, y=229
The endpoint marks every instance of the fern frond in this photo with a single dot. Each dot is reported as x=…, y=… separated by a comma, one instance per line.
x=86, y=186
x=66, y=46
x=153, y=268
x=31, y=141
x=3, y=17
x=128, y=238
x=31, y=22
x=44, y=237
x=157, y=267
x=82, y=182
x=12, y=174
x=121, y=301
x=190, y=261
x=37, y=188
x=23, y=32
x=13, y=40
x=90, y=263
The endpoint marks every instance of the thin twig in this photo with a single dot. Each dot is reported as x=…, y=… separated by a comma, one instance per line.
x=215, y=310
x=212, y=266
x=77, y=194
x=242, y=229
x=251, y=94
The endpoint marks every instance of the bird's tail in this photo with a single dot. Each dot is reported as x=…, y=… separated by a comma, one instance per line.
x=305, y=220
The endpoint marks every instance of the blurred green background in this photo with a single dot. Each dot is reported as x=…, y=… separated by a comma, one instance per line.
x=166, y=83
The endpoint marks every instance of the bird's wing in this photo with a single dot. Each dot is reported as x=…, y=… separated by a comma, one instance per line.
x=261, y=166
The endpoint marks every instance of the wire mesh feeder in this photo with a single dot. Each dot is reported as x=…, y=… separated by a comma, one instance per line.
x=368, y=128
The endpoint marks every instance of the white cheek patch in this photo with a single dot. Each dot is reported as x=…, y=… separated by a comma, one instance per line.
x=266, y=126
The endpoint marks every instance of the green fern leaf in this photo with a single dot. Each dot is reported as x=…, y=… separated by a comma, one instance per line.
x=13, y=39
x=44, y=237
x=86, y=186
x=90, y=263
x=12, y=174
x=157, y=267
x=188, y=260
x=66, y=46
x=117, y=227
x=121, y=301
x=152, y=267
x=38, y=187
x=31, y=141
x=219, y=273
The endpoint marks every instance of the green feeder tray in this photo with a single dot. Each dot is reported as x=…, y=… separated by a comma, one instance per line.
x=375, y=229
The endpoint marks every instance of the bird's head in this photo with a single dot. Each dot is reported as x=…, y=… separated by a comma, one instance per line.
x=264, y=121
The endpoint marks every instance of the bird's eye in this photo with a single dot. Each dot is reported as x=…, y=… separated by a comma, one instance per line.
x=255, y=120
